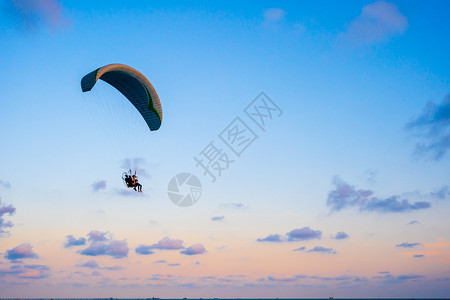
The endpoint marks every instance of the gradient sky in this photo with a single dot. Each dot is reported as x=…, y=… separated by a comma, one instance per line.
x=345, y=191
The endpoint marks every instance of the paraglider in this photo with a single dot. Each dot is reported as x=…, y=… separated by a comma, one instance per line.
x=131, y=181
x=138, y=90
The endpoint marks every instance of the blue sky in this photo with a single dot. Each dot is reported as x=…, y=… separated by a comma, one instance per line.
x=352, y=173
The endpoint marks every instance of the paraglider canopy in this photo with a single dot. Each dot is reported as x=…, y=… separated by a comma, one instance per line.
x=134, y=86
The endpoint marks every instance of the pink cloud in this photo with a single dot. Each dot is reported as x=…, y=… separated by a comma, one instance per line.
x=31, y=13
x=377, y=22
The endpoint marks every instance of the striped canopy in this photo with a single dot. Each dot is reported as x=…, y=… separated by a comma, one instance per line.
x=134, y=86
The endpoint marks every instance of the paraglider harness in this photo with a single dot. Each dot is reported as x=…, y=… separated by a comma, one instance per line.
x=131, y=181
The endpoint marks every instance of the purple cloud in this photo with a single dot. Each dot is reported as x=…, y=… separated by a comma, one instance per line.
x=168, y=244
x=194, y=250
x=378, y=22
x=164, y=244
x=394, y=204
x=101, y=244
x=144, y=250
x=413, y=222
x=300, y=249
x=32, y=13
x=218, y=218
x=20, y=252
x=92, y=264
x=271, y=238
x=344, y=196
x=391, y=279
x=341, y=236
x=99, y=185
x=174, y=264
x=5, y=184
x=418, y=255
x=409, y=277
x=304, y=234
x=72, y=241
x=160, y=261
x=4, y=209
x=408, y=245
x=118, y=249
x=99, y=236
x=95, y=249
x=113, y=268
x=321, y=249
x=27, y=271
x=442, y=193
x=283, y=279
x=433, y=126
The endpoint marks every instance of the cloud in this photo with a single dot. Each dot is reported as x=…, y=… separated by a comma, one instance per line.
x=72, y=241
x=218, y=218
x=33, y=13
x=99, y=236
x=165, y=243
x=370, y=176
x=144, y=250
x=160, y=261
x=5, y=184
x=303, y=234
x=273, y=15
x=26, y=271
x=233, y=205
x=393, y=204
x=442, y=193
x=281, y=279
x=99, y=185
x=341, y=236
x=345, y=195
x=194, y=250
x=92, y=264
x=118, y=249
x=174, y=264
x=271, y=238
x=20, y=252
x=135, y=165
x=418, y=255
x=408, y=245
x=113, y=268
x=409, y=277
x=300, y=249
x=433, y=126
x=101, y=243
x=168, y=244
x=413, y=222
x=391, y=279
x=321, y=249
x=378, y=22
x=4, y=209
